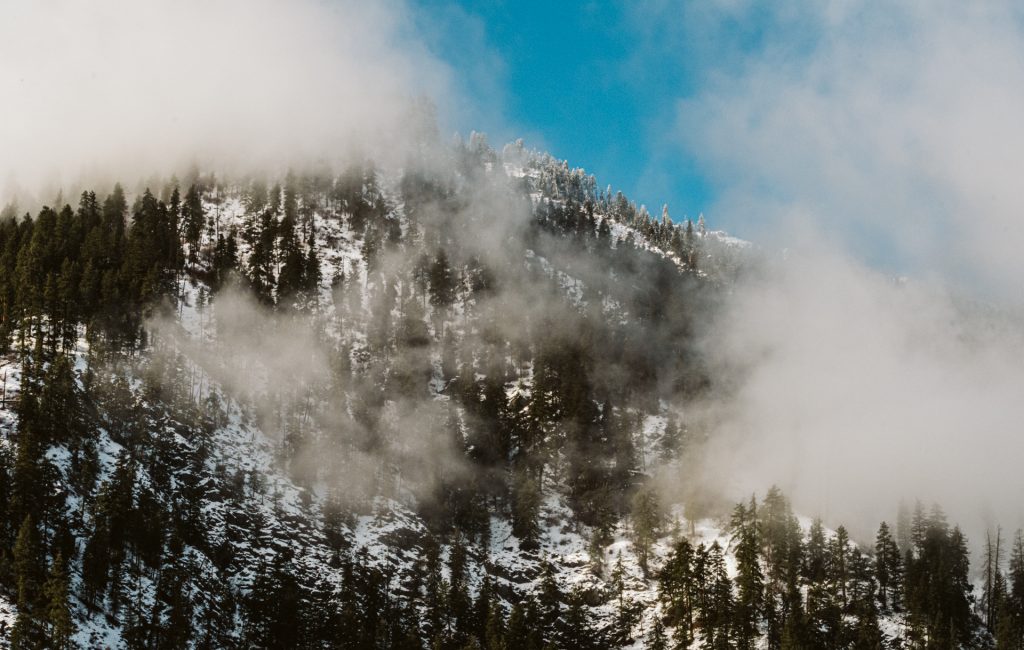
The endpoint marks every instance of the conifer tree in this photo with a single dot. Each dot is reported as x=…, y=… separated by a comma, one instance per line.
x=1010, y=627
x=750, y=578
x=647, y=519
x=888, y=569
x=716, y=616
x=458, y=600
x=524, y=626
x=656, y=638
x=549, y=602
x=577, y=629
x=627, y=612
x=677, y=591
x=526, y=501
x=29, y=627
x=58, y=609
x=193, y=218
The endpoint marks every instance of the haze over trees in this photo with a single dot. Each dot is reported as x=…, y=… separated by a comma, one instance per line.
x=379, y=408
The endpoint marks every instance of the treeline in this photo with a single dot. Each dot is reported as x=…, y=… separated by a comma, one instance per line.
x=811, y=590
x=79, y=536
x=551, y=360
x=95, y=267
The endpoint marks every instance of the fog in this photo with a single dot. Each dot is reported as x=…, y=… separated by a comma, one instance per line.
x=112, y=90
x=854, y=392
x=859, y=143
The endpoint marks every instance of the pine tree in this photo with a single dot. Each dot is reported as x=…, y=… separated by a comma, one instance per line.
x=526, y=501
x=193, y=218
x=838, y=566
x=814, y=565
x=716, y=618
x=32, y=475
x=750, y=578
x=888, y=569
x=1010, y=626
x=524, y=626
x=29, y=626
x=577, y=629
x=58, y=612
x=782, y=549
x=677, y=583
x=291, y=277
x=647, y=519
x=458, y=594
x=442, y=281
x=938, y=589
x=656, y=638
x=991, y=594
x=627, y=612
x=550, y=602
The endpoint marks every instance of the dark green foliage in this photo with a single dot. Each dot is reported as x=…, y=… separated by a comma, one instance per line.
x=442, y=281
x=58, y=612
x=275, y=608
x=888, y=570
x=937, y=584
x=1010, y=618
x=646, y=516
x=29, y=574
x=750, y=602
x=627, y=612
x=465, y=383
x=681, y=590
x=526, y=500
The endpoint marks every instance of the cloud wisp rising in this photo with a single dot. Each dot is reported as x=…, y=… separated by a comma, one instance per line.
x=860, y=137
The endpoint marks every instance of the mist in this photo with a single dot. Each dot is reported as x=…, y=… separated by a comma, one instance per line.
x=111, y=91
x=854, y=391
x=872, y=150
x=884, y=145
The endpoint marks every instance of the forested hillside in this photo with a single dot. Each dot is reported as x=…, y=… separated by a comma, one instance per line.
x=438, y=404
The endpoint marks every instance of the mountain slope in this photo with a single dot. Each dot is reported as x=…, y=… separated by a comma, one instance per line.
x=445, y=404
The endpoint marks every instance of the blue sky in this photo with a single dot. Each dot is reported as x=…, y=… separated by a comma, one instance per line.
x=583, y=81
x=872, y=127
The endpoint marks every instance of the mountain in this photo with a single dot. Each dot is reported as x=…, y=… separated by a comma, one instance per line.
x=446, y=402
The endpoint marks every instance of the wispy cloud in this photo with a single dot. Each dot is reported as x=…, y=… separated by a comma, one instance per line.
x=894, y=126
x=138, y=88
x=868, y=139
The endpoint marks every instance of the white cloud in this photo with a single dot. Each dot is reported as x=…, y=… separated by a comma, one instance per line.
x=859, y=134
x=856, y=391
x=895, y=126
x=128, y=88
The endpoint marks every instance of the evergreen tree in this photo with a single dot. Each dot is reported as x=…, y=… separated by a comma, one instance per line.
x=29, y=626
x=627, y=612
x=937, y=585
x=888, y=569
x=458, y=594
x=549, y=602
x=524, y=626
x=991, y=590
x=442, y=281
x=677, y=586
x=717, y=615
x=750, y=578
x=577, y=629
x=526, y=501
x=193, y=218
x=647, y=518
x=1010, y=626
x=58, y=609
x=656, y=638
